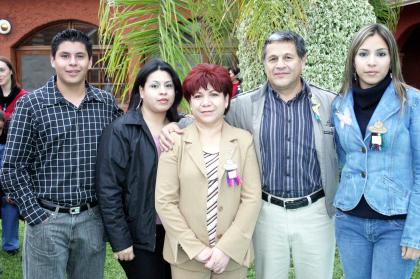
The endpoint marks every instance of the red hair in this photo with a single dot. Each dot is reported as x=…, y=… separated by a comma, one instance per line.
x=204, y=74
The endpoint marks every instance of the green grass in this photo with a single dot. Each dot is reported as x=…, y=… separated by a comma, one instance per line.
x=11, y=266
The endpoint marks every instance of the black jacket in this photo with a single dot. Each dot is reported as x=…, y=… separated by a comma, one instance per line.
x=125, y=182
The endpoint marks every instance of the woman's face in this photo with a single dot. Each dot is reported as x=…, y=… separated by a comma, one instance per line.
x=232, y=75
x=372, y=61
x=5, y=74
x=208, y=105
x=158, y=93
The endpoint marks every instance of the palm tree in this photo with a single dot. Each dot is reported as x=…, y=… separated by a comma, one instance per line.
x=178, y=31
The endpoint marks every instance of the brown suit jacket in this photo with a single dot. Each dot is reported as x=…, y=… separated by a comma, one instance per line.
x=181, y=199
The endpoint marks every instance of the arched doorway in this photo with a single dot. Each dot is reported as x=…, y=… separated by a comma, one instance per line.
x=410, y=51
x=33, y=56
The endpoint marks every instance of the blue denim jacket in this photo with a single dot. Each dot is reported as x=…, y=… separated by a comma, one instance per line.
x=390, y=178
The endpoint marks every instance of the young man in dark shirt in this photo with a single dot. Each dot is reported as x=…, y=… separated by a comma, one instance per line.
x=49, y=165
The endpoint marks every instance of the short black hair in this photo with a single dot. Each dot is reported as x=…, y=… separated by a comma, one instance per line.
x=71, y=35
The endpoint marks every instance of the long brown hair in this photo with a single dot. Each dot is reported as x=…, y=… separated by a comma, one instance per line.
x=358, y=40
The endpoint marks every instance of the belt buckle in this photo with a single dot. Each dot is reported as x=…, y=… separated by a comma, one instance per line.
x=74, y=210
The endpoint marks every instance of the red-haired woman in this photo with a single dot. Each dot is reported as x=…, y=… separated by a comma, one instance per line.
x=10, y=92
x=208, y=188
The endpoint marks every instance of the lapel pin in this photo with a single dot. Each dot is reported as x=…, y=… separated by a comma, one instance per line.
x=315, y=107
x=232, y=176
x=345, y=118
x=377, y=140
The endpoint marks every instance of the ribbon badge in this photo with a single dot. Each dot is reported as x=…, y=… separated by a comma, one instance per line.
x=232, y=176
x=377, y=140
x=315, y=107
x=345, y=118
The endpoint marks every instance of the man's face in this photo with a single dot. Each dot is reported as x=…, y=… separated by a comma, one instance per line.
x=283, y=66
x=71, y=63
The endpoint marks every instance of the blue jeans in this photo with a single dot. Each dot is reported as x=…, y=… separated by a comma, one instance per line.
x=72, y=244
x=10, y=220
x=10, y=226
x=370, y=248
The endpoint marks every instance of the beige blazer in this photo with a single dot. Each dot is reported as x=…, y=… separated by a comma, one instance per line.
x=181, y=199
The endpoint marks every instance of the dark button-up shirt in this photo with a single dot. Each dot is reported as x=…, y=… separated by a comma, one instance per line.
x=51, y=148
x=290, y=167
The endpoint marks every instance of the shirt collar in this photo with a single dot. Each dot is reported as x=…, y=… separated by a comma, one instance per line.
x=134, y=117
x=53, y=95
x=303, y=93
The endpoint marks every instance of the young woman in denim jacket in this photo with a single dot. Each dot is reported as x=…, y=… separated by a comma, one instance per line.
x=377, y=121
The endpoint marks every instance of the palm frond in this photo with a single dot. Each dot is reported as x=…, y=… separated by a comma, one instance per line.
x=133, y=31
x=217, y=21
x=387, y=13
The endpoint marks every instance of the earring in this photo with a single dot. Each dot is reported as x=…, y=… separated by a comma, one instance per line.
x=140, y=102
x=355, y=76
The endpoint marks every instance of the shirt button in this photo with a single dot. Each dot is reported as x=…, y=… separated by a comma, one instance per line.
x=363, y=174
x=363, y=149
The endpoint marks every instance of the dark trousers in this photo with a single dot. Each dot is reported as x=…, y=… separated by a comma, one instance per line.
x=149, y=265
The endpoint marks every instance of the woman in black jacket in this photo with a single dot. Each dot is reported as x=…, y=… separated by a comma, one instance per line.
x=126, y=172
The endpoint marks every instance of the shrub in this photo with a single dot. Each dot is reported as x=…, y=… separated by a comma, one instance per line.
x=331, y=27
x=326, y=25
